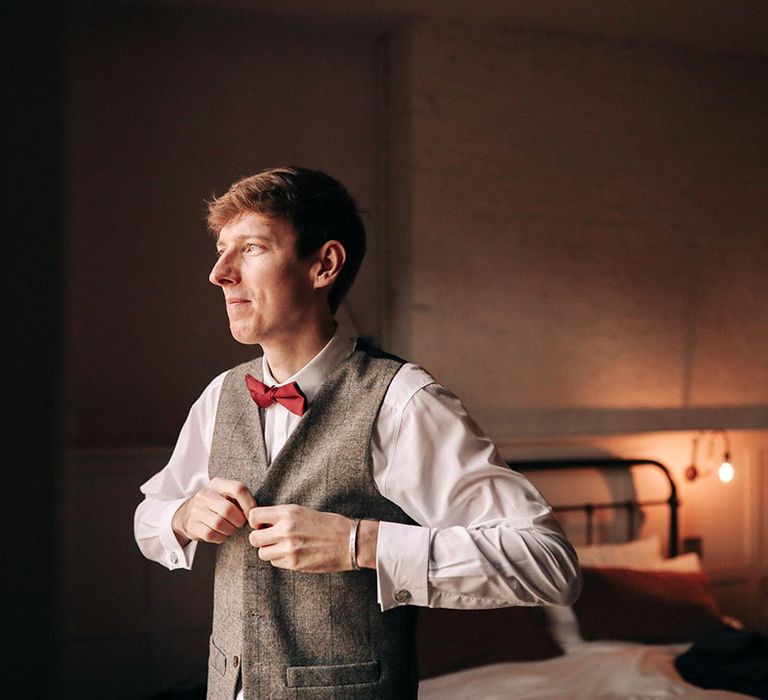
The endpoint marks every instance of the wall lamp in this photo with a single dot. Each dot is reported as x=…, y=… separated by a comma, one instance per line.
x=725, y=471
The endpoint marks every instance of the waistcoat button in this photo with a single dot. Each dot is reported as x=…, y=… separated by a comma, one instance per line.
x=235, y=661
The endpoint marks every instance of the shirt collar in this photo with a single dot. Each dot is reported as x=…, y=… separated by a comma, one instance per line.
x=312, y=375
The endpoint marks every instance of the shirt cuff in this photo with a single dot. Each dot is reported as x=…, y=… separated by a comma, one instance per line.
x=402, y=562
x=175, y=556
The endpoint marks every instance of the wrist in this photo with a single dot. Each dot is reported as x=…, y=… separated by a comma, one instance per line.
x=178, y=527
x=367, y=539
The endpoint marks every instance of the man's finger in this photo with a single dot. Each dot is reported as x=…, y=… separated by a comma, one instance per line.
x=216, y=523
x=264, y=516
x=235, y=491
x=275, y=555
x=230, y=510
x=213, y=537
x=201, y=532
x=264, y=537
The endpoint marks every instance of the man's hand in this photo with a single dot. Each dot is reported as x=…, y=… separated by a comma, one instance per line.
x=213, y=513
x=302, y=539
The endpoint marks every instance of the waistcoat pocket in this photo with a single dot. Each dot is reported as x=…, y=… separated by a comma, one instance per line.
x=327, y=676
x=217, y=658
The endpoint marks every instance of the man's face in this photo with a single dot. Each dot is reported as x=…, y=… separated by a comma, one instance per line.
x=268, y=290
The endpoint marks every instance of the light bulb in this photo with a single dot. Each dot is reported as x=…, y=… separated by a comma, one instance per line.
x=726, y=472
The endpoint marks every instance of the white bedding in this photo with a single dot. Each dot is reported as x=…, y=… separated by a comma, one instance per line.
x=591, y=671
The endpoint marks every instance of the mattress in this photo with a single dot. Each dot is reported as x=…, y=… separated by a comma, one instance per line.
x=591, y=671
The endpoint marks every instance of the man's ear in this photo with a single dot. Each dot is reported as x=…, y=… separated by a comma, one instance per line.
x=328, y=263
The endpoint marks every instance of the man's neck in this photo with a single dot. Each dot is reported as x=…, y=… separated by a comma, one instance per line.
x=287, y=357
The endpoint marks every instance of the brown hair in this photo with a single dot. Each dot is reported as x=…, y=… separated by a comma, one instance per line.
x=318, y=207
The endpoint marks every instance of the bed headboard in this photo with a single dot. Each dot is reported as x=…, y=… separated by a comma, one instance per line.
x=630, y=506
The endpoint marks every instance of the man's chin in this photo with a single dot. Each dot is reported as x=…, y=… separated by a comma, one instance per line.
x=244, y=336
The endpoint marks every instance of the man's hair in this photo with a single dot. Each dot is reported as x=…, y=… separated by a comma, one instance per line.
x=318, y=207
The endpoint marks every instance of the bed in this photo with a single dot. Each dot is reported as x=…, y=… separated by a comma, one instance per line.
x=641, y=606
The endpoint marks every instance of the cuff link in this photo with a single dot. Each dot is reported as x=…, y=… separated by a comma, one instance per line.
x=402, y=596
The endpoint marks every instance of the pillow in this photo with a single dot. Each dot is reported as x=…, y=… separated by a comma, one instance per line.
x=684, y=563
x=451, y=640
x=646, y=606
x=635, y=554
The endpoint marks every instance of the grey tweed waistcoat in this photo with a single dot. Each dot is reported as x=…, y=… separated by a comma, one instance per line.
x=300, y=635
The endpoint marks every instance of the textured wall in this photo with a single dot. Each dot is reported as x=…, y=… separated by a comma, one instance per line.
x=166, y=109
x=588, y=230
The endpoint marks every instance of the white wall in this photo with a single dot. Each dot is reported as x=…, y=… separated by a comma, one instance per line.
x=585, y=229
x=129, y=627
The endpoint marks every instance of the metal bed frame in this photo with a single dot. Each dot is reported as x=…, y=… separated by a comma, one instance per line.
x=631, y=507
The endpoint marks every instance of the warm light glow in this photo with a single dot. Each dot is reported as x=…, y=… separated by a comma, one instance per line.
x=726, y=472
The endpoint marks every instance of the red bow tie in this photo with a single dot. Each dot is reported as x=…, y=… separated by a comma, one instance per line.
x=289, y=395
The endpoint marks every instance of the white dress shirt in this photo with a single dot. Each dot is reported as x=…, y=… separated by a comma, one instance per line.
x=486, y=538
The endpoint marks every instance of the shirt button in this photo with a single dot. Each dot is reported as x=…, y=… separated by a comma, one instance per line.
x=174, y=558
x=235, y=662
x=402, y=596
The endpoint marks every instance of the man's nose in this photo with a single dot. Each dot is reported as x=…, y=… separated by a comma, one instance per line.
x=224, y=271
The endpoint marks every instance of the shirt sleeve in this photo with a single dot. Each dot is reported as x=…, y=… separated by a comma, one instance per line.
x=185, y=473
x=486, y=537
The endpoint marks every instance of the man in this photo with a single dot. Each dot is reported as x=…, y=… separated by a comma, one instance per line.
x=331, y=475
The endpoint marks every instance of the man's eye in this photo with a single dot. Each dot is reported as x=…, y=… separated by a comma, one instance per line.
x=252, y=248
